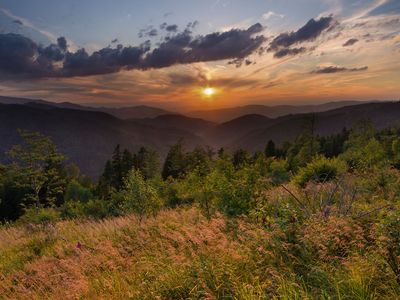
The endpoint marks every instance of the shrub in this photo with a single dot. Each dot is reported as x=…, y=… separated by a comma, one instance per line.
x=320, y=169
x=75, y=191
x=97, y=208
x=139, y=196
x=72, y=209
x=40, y=216
x=278, y=172
x=389, y=242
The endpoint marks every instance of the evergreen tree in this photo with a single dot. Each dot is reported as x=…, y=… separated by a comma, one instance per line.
x=174, y=164
x=270, y=150
x=117, y=167
x=147, y=162
x=105, y=182
x=127, y=162
x=199, y=159
x=240, y=158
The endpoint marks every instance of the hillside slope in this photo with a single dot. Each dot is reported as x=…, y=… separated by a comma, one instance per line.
x=227, y=114
x=87, y=138
x=287, y=128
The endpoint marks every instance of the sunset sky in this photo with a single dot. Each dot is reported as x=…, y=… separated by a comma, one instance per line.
x=186, y=55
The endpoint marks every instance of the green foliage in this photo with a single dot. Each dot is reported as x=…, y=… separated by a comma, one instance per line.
x=320, y=169
x=175, y=163
x=37, y=166
x=362, y=150
x=306, y=146
x=278, y=171
x=39, y=216
x=389, y=241
x=240, y=158
x=139, y=196
x=75, y=191
x=147, y=161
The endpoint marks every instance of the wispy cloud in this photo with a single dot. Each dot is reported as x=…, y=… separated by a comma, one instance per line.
x=270, y=14
x=27, y=23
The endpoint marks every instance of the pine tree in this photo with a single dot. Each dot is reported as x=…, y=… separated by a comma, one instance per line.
x=174, y=165
x=117, y=178
x=270, y=150
x=147, y=162
x=127, y=162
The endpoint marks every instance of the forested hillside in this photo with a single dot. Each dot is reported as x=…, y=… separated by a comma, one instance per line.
x=309, y=219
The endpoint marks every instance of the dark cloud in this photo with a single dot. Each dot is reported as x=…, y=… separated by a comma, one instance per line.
x=169, y=28
x=182, y=48
x=289, y=52
x=18, y=22
x=20, y=57
x=104, y=61
x=172, y=28
x=62, y=43
x=337, y=69
x=192, y=25
x=309, y=32
x=148, y=32
x=16, y=53
x=350, y=42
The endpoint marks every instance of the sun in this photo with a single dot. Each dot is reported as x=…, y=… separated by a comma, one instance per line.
x=208, y=91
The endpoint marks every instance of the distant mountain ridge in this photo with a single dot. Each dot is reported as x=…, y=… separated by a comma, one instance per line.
x=128, y=112
x=216, y=115
x=227, y=114
x=88, y=137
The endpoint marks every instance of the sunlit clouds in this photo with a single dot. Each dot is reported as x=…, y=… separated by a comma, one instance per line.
x=269, y=54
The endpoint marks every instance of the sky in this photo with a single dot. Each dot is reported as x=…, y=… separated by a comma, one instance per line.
x=187, y=55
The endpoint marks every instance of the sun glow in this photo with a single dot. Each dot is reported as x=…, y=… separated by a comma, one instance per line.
x=208, y=91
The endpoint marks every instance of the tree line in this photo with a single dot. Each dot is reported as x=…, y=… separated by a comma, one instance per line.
x=38, y=177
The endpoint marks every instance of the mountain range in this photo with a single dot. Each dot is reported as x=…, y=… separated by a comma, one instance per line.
x=87, y=135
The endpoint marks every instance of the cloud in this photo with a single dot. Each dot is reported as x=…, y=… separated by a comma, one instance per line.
x=172, y=28
x=169, y=28
x=18, y=22
x=309, y=32
x=148, y=32
x=350, y=42
x=337, y=69
x=29, y=24
x=289, y=52
x=22, y=58
x=268, y=15
x=167, y=14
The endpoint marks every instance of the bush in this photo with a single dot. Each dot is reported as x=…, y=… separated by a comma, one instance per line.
x=139, y=196
x=389, y=242
x=72, y=209
x=278, y=172
x=40, y=216
x=320, y=169
x=97, y=208
x=75, y=191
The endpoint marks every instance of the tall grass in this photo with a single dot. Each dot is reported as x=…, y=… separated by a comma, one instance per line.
x=179, y=254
